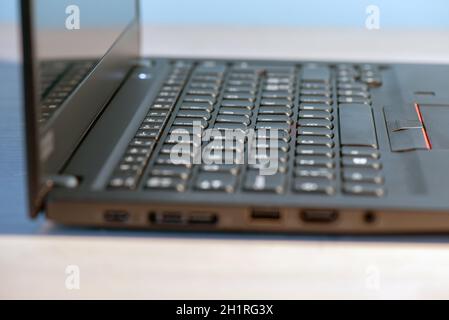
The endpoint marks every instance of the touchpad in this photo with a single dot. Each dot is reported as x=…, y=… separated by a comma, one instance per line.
x=436, y=121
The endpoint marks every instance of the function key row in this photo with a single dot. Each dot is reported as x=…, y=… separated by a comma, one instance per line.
x=128, y=172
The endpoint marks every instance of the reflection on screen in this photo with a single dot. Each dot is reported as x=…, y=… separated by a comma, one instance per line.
x=72, y=36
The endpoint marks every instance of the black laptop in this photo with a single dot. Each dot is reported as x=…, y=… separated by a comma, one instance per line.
x=117, y=140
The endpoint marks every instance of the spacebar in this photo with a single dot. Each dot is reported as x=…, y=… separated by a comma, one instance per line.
x=357, y=125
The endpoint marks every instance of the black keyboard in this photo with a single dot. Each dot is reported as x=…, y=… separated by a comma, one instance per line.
x=323, y=116
x=58, y=79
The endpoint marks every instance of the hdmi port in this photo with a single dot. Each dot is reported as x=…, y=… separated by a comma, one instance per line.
x=265, y=215
x=203, y=219
x=167, y=218
x=319, y=216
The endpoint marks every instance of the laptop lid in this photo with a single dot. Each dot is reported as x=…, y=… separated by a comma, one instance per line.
x=76, y=54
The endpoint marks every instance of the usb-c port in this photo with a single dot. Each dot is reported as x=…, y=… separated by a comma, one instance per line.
x=113, y=216
x=265, y=215
x=172, y=218
x=319, y=216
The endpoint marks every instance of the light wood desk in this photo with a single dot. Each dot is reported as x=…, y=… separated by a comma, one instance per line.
x=34, y=254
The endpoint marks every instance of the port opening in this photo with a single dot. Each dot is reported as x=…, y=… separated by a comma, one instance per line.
x=199, y=218
x=370, y=217
x=265, y=215
x=116, y=216
x=168, y=218
x=319, y=216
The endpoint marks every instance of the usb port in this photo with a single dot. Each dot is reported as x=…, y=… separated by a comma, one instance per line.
x=113, y=216
x=265, y=215
x=319, y=216
x=203, y=219
x=167, y=218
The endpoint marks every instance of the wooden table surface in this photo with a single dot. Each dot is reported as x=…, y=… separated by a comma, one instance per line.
x=34, y=255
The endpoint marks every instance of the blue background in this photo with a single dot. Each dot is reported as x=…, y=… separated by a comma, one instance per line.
x=342, y=13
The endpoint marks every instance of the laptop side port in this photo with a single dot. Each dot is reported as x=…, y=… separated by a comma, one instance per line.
x=202, y=219
x=167, y=218
x=319, y=216
x=266, y=215
x=116, y=216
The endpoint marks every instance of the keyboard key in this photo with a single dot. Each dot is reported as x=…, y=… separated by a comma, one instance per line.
x=361, y=162
x=267, y=135
x=275, y=110
x=166, y=183
x=238, y=104
x=274, y=126
x=354, y=100
x=315, y=86
x=151, y=126
x=361, y=152
x=315, y=123
x=316, y=92
x=207, y=181
x=233, y=119
x=264, y=183
x=128, y=182
x=196, y=106
x=203, y=99
x=362, y=175
x=239, y=96
x=312, y=131
x=268, y=155
x=308, y=114
x=357, y=125
x=203, y=92
x=312, y=150
x=276, y=102
x=171, y=171
x=233, y=169
x=275, y=118
x=324, y=173
x=353, y=86
x=148, y=143
x=191, y=122
x=316, y=99
x=314, y=186
x=312, y=73
x=231, y=126
x=315, y=141
x=277, y=95
x=315, y=107
x=354, y=93
x=205, y=115
x=155, y=119
x=235, y=111
x=267, y=144
x=169, y=159
x=314, y=161
x=363, y=189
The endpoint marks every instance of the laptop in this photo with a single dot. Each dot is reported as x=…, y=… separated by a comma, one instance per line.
x=117, y=140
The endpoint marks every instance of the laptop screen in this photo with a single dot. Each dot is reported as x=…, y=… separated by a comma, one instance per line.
x=71, y=38
x=76, y=55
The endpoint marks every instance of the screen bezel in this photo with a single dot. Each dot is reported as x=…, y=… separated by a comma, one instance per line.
x=76, y=116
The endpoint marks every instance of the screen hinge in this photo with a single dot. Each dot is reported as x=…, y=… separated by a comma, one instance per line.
x=51, y=182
